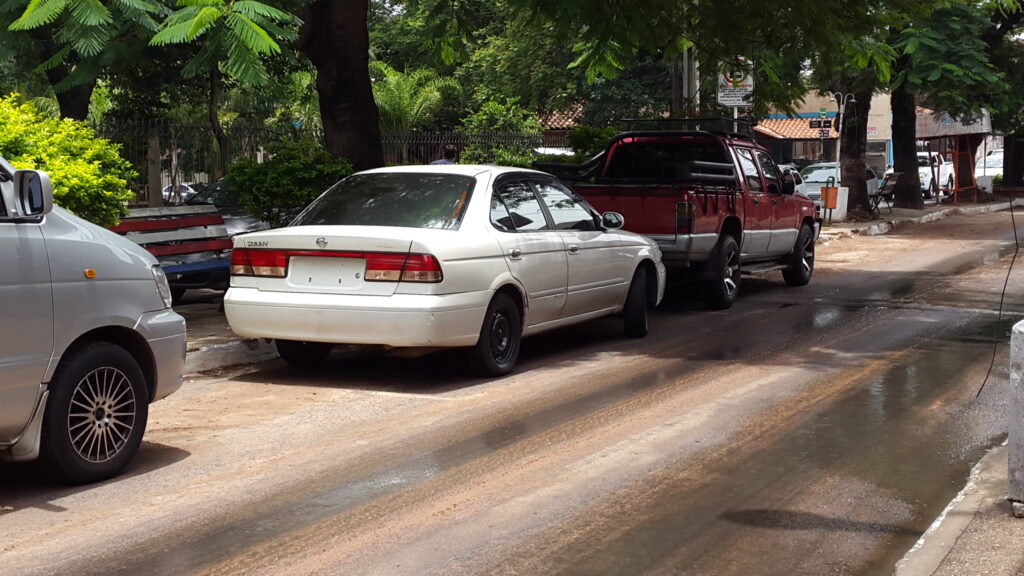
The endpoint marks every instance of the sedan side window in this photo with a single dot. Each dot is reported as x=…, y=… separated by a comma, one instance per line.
x=567, y=213
x=500, y=217
x=524, y=211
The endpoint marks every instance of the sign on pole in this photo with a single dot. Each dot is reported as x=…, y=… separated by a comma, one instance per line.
x=822, y=112
x=735, y=83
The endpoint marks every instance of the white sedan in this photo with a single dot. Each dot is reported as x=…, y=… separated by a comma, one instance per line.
x=440, y=256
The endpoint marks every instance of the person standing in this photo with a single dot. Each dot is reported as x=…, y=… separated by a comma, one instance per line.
x=449, y=156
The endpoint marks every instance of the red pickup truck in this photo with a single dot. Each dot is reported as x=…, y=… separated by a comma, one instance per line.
x=713, y=199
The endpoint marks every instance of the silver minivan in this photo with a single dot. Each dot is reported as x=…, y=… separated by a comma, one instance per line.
x=87, y=336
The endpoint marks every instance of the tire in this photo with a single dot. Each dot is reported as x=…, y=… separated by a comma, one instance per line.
x=800, y=263
x=722, y=275
x=634, y=313
x=497, y=350
x=930, y=192
x=302, y=354
x=95, y=415
x=949, y=186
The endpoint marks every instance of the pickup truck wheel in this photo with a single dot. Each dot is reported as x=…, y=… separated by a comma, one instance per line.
x=949, y=185
x=635, y=311
x=722, y=274
x=497, y=349
x=930, y=192
x=800, y=263
x=95, y=415
x=302, y=354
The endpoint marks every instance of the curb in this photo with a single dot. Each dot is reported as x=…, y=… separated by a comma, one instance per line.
x=884, y=227
x=936, y=544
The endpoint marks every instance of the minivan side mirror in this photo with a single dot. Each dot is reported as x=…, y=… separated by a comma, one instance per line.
x=33, y=192
x=612, y=220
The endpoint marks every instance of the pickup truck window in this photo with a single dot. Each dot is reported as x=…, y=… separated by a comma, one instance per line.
x=662, y=161
x=771, y=171
x=567, y=213
x=524, y=211
x=749, y=169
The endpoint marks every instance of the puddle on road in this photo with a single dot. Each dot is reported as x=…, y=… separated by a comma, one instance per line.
x=901, y=447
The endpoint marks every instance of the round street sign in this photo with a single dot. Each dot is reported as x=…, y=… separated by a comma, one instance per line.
x=735, y=83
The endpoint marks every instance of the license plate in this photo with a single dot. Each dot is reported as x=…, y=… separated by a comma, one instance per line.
x=326, y=272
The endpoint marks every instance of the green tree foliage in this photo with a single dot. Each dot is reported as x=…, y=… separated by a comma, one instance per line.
x=408, y=100
x=72, y=43
x=496, y=120
x=88, y=174
x=237, y=34
x=296, y=173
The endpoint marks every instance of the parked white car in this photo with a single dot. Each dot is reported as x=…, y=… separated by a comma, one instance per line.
x=816, y=176
x=934, y=171
x=89, y=338
x=990, y=165
x=798, y=180
x=440, y=256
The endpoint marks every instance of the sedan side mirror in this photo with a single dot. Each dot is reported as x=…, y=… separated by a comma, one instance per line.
x=34, y=193
x=612, y=220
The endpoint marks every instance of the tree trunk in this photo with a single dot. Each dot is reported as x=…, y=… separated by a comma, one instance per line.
x=336, y=40
x=221, y=168
x=904, y=148
x=73, y=102
x=854, y=136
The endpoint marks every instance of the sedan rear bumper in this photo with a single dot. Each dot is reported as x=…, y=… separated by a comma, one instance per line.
x=399, y=320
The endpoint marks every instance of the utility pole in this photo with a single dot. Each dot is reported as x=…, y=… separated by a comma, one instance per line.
x=843, y=100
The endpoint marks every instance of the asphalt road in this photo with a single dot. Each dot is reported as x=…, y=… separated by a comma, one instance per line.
x=805, y=431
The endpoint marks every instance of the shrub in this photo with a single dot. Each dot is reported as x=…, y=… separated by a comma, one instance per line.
x=296, y=173
x=587, y=141
x=89, y=176
x=508, y=119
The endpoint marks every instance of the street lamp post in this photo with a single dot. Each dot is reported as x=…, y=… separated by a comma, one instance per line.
x=843, y=100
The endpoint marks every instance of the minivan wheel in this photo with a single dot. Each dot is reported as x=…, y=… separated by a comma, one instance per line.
x=800, y=262
x=497, y=350
x=722, y=274
x=95, y=415
x=302, y=354
x=634, y=313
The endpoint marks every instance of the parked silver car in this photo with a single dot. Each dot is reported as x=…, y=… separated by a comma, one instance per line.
x=88, y=337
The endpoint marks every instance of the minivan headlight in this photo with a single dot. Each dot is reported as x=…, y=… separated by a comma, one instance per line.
x=161, y=284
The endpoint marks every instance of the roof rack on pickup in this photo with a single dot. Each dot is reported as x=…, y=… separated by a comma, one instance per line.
x=735, y=127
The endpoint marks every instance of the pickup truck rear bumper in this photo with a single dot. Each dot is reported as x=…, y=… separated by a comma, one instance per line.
x=679, y=250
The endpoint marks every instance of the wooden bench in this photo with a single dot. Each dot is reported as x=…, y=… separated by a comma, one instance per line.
x=190, y=242
x=886, y=191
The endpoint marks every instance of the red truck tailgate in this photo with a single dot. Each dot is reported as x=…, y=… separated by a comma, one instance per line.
x=647, y=209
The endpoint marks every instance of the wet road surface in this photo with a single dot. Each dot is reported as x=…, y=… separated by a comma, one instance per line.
x=805, y=431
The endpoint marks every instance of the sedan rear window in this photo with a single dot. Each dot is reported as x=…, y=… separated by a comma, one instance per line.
x=403, y=199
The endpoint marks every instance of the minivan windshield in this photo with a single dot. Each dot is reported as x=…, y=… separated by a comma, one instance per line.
x=403, y=199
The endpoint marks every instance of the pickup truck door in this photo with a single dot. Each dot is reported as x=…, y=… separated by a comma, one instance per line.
x=26, y=312
x=598, y=277
x=785, y=212
x=757, y=207
x=533, y=249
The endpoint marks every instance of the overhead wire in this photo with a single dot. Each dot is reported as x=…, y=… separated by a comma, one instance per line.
x=996, y=335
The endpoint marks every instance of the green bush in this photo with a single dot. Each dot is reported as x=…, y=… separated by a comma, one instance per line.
x=587, y=141
x=296, y=173
x=89, y=176
x=495, y=118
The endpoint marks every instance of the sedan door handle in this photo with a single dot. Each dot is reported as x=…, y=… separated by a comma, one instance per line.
x=515, y=253
x=574, y=249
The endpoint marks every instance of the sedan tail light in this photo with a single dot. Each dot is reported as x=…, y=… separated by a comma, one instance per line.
x=380, y=266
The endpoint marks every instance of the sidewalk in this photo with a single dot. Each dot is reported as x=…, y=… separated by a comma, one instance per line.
x=976, y=535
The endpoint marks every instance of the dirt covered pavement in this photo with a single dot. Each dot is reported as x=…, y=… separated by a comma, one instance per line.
x=804, y=431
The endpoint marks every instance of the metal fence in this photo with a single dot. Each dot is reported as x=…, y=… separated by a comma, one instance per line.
x=187, y=153
x=189, y=157
x=424, y=147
